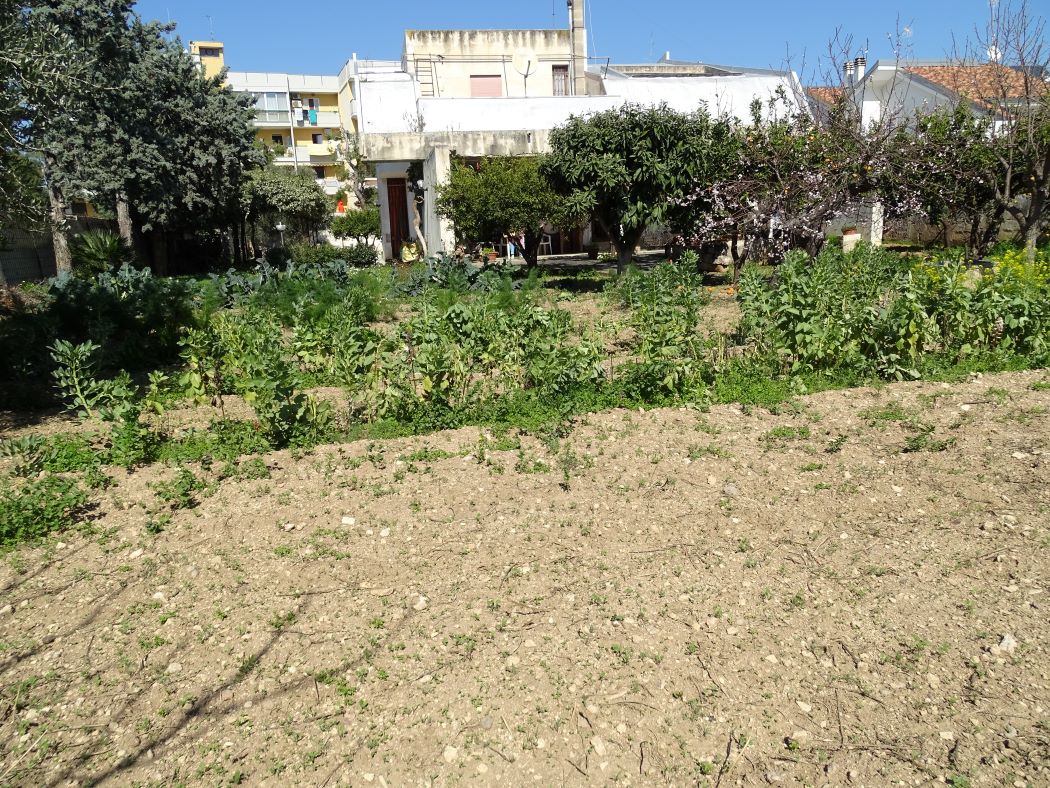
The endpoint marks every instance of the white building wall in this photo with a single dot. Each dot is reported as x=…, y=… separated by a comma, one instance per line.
x=387, y=104
x=455, y=55
x=508, y=114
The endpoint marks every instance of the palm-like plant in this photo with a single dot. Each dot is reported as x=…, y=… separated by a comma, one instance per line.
x=98, y=251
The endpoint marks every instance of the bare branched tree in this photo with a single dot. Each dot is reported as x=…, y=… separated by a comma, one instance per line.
x=1004, y=73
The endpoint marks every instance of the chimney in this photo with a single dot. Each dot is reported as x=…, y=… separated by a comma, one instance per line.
x=667, y=56
x=862, y=66
x=578, y=46
x=847, y=71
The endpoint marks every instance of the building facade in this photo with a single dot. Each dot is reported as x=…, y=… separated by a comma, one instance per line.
x=298, y=118
x=472, y=94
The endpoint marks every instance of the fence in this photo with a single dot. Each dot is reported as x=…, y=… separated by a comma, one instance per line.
x=28, y=256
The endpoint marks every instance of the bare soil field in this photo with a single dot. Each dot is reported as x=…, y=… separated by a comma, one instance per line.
x=827, y=595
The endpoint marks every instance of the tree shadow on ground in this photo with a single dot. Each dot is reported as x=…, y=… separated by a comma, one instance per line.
x=204, y=707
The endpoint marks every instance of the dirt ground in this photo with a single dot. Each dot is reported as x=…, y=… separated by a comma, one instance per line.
x=665, y=598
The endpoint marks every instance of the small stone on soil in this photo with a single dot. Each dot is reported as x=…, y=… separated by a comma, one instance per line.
x=599, y=746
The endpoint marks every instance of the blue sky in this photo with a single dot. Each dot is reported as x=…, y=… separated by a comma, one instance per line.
x=318, y=37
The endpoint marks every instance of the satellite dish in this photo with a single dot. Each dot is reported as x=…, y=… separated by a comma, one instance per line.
x=526, y=62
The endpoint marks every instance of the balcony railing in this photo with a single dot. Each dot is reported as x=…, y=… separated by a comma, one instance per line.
x=272, y=117
x=321, y=148
x=307, y=153
x=302, y=117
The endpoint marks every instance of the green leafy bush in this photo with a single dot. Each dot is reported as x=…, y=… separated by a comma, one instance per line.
x=116, y=401
x=32, y=509
x=260, y=366
x=874, y=312
x=665, y=303
x=454, y=355
x=362, y=225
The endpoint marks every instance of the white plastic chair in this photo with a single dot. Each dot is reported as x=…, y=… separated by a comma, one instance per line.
x=546, y=244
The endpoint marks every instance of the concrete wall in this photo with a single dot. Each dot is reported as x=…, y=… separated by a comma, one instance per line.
x=387, y=104
x=263, y=81
x=26, y=256
x=438, y=230
x=416, y=147
x=454, y=55
x=507, y=114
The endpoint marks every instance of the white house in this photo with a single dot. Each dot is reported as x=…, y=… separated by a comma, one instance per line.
x=500, y=93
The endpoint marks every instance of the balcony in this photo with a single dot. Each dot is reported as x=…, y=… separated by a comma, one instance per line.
x=309, y=152
x=273, y=117
x=329, y=185
x=319, y=149
x=301, y=118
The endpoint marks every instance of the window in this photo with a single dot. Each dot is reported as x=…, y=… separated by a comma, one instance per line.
x=271, y=101
x=486, y=85
x=561, y=80
x=319, y=172
x=317, y=138
x=277, y=139
x=312, y=103
x=211, y=51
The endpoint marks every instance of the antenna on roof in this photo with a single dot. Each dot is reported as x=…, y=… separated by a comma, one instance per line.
x=211, y=27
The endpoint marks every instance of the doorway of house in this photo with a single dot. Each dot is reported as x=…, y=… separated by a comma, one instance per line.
x=397, y=209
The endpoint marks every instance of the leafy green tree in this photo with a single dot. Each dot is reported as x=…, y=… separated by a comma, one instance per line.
x=502, y=196
x=362, y=225
x=30, y=61
x=948, y=163
x=140, y=129
x=629, y=167
x=276, y=194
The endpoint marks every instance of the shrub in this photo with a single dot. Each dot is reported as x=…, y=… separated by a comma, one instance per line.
x=56, y=454
x=259, y=365
x=665, y=301
x=456, y=354
x=32, y=509
x=362, y=225
x=99, y=251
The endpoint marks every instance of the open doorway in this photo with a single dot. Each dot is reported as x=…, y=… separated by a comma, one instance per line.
x=397, y=212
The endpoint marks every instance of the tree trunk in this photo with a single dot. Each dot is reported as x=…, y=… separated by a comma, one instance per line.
x=1032, y=222
x=59, y=230
x=530, y=249
x=417, y=225
x=159, y=241
x=1031, y=237
x=975, y=236
x=127, y=229
x=624, y=255
x=235, y=242
x=991, y=232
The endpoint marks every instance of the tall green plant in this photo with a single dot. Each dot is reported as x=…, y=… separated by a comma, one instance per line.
x=100, y=251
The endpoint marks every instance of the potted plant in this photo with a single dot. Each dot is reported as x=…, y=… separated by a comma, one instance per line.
x=489, y=253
